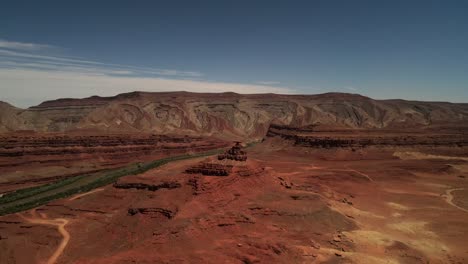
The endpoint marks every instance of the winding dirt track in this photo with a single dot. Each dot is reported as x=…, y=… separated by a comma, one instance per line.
x=449, y=198
x=347, y=169
x=360, y=173
x=84, y=194
x=60, y=224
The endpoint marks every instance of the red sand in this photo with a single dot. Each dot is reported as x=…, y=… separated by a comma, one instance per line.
x=307, y=206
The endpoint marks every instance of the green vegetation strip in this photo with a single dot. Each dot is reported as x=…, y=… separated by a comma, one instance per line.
x=13, y=202
x=32, y=191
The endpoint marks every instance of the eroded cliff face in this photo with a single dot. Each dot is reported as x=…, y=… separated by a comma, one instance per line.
x=8, y=117
x=226, y=114
x=316, y=137
x=28, y=158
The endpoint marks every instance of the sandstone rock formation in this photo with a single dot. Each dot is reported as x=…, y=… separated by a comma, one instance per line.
x=152, y=212
x=235, y=153
x=210, y=169
x=225, y=163
x=149, y=187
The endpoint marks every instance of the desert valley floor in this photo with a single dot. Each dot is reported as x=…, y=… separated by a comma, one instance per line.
x=286, y=204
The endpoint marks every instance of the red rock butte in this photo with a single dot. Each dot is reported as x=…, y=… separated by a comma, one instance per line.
x=233, y=160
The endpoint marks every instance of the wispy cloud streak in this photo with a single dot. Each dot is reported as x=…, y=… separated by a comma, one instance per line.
x=23, y=58
x=22, y=46
x=267, y=82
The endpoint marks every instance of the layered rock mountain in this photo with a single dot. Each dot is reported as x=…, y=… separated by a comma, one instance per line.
x=226, y=114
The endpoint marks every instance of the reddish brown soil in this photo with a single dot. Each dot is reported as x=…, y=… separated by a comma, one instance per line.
x=391, y=204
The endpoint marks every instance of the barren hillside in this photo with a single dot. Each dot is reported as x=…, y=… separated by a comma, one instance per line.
x=226, y=114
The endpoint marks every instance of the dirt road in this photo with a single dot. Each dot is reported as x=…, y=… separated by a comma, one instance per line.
x=448, y=196
x=84, y=194
x=59, y=223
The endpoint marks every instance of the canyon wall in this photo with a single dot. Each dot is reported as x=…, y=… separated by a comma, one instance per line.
x=359, y=138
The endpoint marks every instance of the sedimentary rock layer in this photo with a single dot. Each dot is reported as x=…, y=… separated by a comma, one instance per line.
x=50, y=148
x=309, y=137
x=226, y=114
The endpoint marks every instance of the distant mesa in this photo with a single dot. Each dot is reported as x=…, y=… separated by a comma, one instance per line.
x=226, y=115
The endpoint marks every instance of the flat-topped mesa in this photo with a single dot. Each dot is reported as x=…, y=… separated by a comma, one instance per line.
x=235, y=153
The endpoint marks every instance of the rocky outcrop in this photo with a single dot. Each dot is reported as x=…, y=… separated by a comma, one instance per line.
x=149, y=187
x=226, y=114
x=235, y=153
x=210, y=169
x=152, y=212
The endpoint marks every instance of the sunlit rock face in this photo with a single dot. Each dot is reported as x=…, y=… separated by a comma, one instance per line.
x=226, y=114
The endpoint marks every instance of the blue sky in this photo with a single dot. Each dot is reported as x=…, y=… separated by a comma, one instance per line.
x=382, y=49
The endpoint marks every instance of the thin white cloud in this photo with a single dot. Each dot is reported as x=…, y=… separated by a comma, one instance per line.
x=77, y=68
x=267, y=82
x=350, y=88
x=9, y=53
x=26, y=87
x=22, y=46
x=47, y=60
